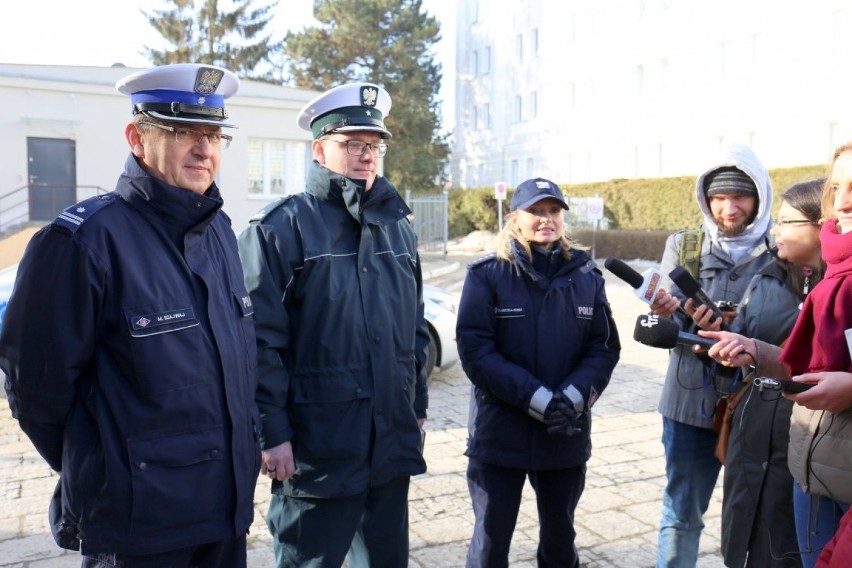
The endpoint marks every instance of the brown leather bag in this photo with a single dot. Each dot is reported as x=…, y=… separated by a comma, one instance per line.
x=724, y=419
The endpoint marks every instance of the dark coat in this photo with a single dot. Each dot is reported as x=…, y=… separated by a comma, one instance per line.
x=519, y=330
x=129, y=348
x=757, y=505
x=335, y=278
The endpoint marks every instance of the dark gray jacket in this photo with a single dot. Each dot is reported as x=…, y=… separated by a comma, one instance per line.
x=335, y=279
x=757, y=507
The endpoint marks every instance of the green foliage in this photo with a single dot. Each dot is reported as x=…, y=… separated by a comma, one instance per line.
x=201, y=32
x=471, y=210
x=663, y=204
x=390, y=43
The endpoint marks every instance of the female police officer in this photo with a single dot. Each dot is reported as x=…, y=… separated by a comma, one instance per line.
x=537, y=340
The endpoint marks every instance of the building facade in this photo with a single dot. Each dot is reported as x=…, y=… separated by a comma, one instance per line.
x=590, y=90
x=62, y=134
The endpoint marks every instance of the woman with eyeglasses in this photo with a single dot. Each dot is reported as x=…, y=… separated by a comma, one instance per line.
x=817, y=353
x=757, y=505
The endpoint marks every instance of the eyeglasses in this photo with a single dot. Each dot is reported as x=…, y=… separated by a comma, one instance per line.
x=358, y=147
x=783, y=222
x=190, y=137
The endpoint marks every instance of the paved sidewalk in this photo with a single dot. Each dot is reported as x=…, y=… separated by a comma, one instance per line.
x=616, y=519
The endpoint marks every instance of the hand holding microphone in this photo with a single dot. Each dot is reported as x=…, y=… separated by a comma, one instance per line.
x=692, y=290
x=645, y=285
x=731, y=349
x=664, y=333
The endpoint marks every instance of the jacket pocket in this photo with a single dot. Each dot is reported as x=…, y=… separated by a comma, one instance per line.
x=178, y=480
x=332, y=417
x=165, y=332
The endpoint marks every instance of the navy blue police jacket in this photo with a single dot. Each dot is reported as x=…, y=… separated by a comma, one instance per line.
x=518, y=330
x=129, y=348
x=335, y=279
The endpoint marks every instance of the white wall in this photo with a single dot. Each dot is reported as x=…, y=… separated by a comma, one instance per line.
x=647, y=88
x=81, y=104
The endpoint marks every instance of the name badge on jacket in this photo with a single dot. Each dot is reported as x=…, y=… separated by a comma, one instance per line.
x=585, y=312
x=509, y=312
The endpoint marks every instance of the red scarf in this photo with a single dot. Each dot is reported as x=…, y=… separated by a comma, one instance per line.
x=817, y=342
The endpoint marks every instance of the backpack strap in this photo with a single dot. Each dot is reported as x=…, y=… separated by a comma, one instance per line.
x=690, y=250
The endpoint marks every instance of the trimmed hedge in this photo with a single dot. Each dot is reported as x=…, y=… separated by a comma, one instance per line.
x=624, y=244
x=652, y=204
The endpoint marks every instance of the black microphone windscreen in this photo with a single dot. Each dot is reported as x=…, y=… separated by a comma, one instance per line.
x=623, y=271
x=656, y=331
x=684, y=280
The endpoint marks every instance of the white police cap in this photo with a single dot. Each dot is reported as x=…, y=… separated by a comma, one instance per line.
x=183, y=92
x=353, y=107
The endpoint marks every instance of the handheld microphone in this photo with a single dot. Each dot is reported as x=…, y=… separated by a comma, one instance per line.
x=692, y=289
x=645, y=285
x=660, y=332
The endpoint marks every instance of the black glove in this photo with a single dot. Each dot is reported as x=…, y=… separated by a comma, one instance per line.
x=560, y=417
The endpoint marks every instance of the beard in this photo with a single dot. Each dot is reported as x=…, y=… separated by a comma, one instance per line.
x=730, y=229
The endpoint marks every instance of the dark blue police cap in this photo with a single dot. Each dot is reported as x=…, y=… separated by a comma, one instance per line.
x=534, y=190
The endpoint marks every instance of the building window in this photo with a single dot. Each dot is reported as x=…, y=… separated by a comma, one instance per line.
x=486, y=115
x=519, y=47
x=515, y=173
x=474, y=63
x=518, y=113
x=530, y=168
x=474, y=120
x=534, y=104
x=276, y=167
x=534, y=42
x=486, y=60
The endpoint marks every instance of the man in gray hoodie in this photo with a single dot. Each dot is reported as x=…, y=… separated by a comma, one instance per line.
x=735, y=197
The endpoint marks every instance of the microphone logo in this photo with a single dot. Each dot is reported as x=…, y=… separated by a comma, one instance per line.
x=649, y=321
x=652, y=287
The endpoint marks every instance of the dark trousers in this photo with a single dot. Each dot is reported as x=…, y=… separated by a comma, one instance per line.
x=495, y=493
x=368, y=530
x=229, y=553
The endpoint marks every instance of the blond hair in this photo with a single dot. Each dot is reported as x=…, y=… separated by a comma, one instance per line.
x=511, y=232
x=827, y=201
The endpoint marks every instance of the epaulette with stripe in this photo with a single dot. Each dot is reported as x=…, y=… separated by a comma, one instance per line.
x=74, y=216
x=272, y=206
x=589, y=266
x=481, y=260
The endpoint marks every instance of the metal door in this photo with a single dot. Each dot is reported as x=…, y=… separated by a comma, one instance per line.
x=52, y=174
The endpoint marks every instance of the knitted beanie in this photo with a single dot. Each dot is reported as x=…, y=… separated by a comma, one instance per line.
x=729, y=180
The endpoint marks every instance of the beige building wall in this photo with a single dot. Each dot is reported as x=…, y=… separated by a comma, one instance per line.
x=81, y=104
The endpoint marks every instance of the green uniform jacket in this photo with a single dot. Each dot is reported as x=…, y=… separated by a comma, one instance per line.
x=335, y=280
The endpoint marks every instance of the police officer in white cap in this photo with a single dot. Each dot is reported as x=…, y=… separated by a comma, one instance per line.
x=342, y=343
x=129, y=346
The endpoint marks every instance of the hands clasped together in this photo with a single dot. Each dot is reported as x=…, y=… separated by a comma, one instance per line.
x=560, y=417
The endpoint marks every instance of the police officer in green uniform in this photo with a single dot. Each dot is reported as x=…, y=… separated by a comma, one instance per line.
x=335, y=278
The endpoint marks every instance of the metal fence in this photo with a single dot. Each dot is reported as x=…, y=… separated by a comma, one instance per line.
x=430, y=220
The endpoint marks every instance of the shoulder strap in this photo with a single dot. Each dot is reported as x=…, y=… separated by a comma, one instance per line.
x=72, y=217
x=690, y=251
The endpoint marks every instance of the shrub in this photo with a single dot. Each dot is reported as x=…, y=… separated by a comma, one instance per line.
x=650, y=204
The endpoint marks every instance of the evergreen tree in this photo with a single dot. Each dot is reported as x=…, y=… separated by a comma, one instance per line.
x=201, y=31
x=387, y=42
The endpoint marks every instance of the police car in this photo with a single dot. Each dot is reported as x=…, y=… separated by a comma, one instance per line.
x=7, y=280
x=440, y=309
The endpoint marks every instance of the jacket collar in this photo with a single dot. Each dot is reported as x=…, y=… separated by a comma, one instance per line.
x=178, y=209
x=382, y=205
